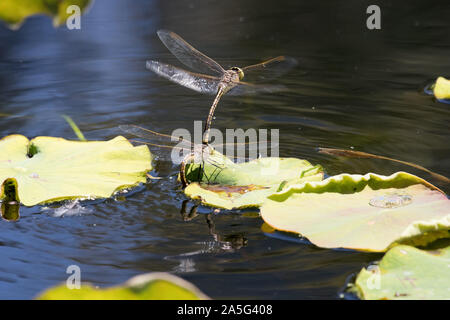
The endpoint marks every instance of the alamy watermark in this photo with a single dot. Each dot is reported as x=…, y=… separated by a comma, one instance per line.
x=74, y=19
x=74, y=280
x=373, y=22
x=237, y=144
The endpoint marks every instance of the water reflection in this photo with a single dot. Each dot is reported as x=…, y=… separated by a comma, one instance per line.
x=185, y=215
x=10, y=210
x=219, y=243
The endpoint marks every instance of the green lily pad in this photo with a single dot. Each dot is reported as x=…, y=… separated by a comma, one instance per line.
x=48, y=169
x=14, y=12
x=228, y=185
x=363, y=212
x=441, y=88
x=150, y=286
x=406, y=273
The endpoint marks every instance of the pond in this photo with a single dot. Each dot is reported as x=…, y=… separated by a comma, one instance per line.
x=353, y=88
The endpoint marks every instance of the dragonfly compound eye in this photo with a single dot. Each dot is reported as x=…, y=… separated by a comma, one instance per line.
x=239, y=71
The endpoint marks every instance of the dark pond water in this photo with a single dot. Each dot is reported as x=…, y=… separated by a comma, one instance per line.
x=353, y=88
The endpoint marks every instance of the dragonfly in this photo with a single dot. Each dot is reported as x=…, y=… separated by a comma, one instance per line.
x=214, y=79
x=183, y=151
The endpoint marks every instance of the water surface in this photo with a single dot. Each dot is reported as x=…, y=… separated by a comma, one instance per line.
x=353, y=88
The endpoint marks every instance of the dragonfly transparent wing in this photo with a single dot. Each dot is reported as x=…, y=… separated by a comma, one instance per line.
x=245, y=88
x=188, y=55
x=269, y=69
x=171, y=148
x=156, y=138
x=174, y=148
x=197, y=82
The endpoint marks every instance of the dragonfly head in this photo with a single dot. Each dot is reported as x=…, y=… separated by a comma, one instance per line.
x=239, y=72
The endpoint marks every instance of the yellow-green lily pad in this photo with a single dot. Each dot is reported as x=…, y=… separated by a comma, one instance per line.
x=406, y=272
x=150, y=286
x=363, y=212
x=14, y=12
x=441, y=88
x=228, y=185
x=48, y=169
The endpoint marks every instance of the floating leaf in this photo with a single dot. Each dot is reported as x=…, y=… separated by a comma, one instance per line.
x=406, y=273
x=228, y=185
x=14, y=12
x=370, y=212
x=49, y=169
x=441, y=88
x=150, y=286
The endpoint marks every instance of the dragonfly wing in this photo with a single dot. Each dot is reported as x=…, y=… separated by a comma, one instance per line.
x=197, y=82
x=188, y=55
x=245, y=88
x=269, y=69
x=170, y=148
x=155, y=137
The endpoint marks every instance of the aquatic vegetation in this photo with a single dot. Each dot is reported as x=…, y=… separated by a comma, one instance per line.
x=221, y=183
x=150, y=286
x=370, y=212
x=75, y=128
x=47, y=169
x=441, y=88
x=406, y=273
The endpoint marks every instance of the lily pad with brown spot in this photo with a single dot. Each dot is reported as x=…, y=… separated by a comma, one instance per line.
x=363, y=212
x=221, y=183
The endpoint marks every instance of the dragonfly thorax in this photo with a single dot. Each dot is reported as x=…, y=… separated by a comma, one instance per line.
x=230, y=79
